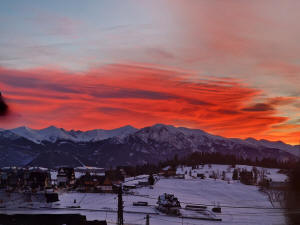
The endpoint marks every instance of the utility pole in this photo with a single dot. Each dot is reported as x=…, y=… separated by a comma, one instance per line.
x=147, y=220
x=120, y=207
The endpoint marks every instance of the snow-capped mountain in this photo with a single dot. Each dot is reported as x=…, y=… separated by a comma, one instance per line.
x=295, y=150
x=27, y=133
x=127, y=145
x=37, y=136
x=53, y=134
x=181, y=137
x=167, y=139
x=100, y=134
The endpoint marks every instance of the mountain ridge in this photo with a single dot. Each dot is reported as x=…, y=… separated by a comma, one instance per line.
x=53, y=134
x=130, y=128
x=127, y=145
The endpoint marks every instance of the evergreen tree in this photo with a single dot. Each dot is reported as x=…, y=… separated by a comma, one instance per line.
x=223, y=175
x=246, y=177
x=151, y=179
x=235, y=174
x=255, y=173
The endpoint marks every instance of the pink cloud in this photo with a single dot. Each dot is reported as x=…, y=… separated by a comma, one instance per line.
x=140, y=95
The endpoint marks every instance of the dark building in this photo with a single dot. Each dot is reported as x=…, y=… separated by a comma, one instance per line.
x=39, y=179
x=34, y=177
x=65, y=176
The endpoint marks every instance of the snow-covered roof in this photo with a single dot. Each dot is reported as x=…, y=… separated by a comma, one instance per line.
x=88, y=168
x=166, y=168
x=38, y=168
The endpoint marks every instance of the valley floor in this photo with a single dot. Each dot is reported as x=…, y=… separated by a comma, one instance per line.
x=241, y=204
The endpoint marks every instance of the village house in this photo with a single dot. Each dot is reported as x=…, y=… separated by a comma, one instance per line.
x=65, y=176
x=168, y=171
x=3, y=178
x=33, y=177
x=201, y=175
x=38, y=178
x=94, y=183
x=11, y=177
x=89, y=183
x=115, y=176
x=107, y=186
x=89, y=169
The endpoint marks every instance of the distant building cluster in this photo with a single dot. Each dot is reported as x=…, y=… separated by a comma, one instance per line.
x=83, y=179
x=33, y=178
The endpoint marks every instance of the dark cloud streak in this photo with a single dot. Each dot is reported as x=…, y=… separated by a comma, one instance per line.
x=259, y=107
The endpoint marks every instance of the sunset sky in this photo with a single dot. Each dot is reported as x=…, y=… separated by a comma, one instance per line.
x=231, y=68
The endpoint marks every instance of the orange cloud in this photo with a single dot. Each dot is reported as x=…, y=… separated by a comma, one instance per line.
x=140, y=95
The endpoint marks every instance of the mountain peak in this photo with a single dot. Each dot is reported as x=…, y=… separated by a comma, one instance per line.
x=27, y=133
x=250, y=139
x=51, y=128
x=53, y=134
x=159, y=125
x=127, y=127
x=23, y=128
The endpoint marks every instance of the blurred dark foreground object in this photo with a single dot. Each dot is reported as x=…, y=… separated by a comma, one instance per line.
x=3, y=106
x=292, y=197
x=47, y=219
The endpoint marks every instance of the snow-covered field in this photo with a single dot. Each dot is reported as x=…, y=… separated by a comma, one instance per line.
x=208, y=170
x=241, y=204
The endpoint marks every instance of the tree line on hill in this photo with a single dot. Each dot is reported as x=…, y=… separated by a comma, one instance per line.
x=199, y=158
x=218, y=158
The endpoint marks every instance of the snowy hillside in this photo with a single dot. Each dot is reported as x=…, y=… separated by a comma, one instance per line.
x=207, y=170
